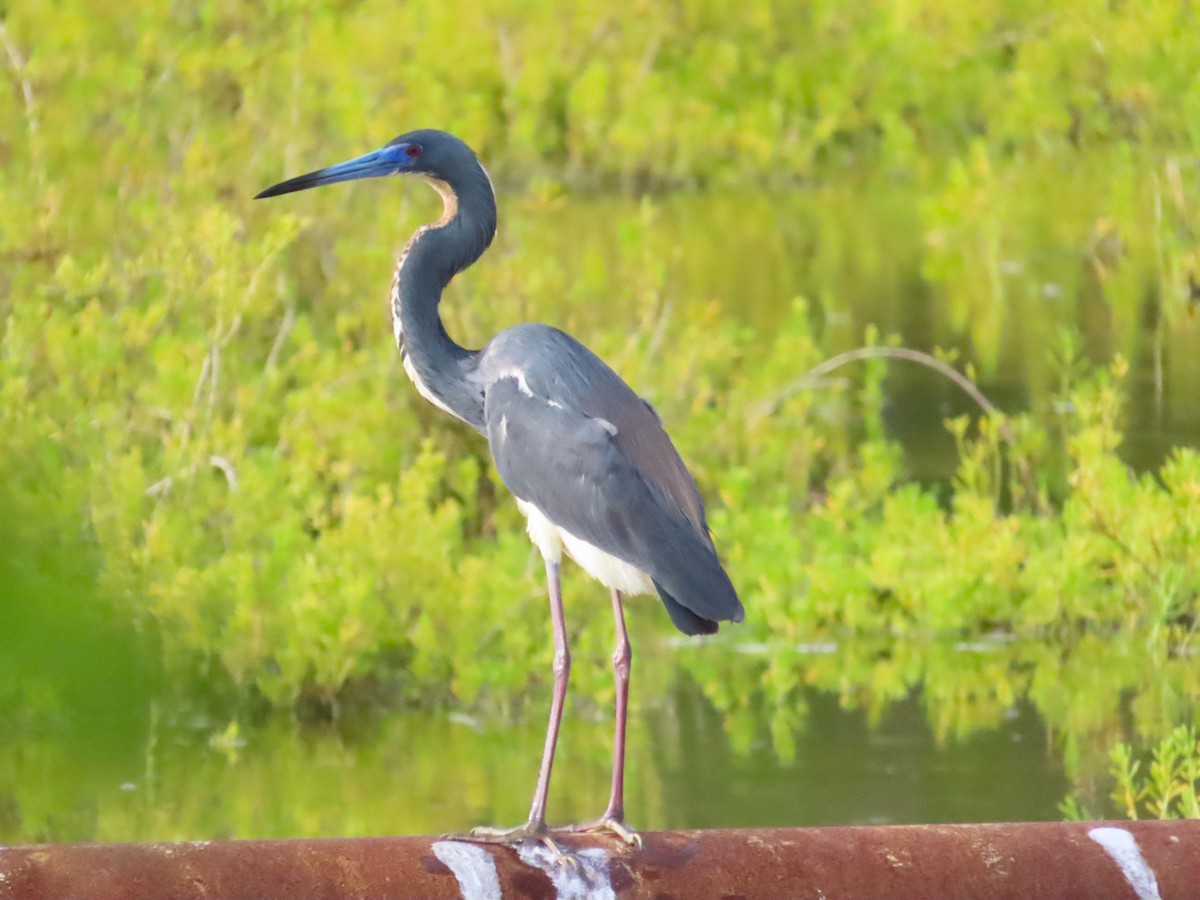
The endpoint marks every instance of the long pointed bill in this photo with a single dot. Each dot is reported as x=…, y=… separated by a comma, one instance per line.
x=390, y=160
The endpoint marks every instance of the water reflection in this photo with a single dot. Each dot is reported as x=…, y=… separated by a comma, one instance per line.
x=167, y=777
x=847, y=771
x=832, y=731
x=1089, y=691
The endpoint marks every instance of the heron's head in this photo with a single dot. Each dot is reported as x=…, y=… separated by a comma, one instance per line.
x=435, y=154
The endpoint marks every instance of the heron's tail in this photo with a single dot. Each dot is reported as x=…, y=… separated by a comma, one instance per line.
x=696, y=590
x=685, y=620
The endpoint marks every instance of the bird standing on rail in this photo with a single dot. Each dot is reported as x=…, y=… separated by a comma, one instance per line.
x=592, y=469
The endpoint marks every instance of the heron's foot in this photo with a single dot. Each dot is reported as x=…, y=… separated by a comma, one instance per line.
x=532, y=832
x=614, y=824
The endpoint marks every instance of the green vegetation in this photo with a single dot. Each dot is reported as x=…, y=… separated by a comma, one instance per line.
x=1167, y=788
x=209, y=443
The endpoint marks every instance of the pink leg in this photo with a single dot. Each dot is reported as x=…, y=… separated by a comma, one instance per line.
x=614, y=817
x=622, y=657
x=562, y=672
x=535, y=829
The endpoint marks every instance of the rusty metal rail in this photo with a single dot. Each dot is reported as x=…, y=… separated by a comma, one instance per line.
x=1096, y=861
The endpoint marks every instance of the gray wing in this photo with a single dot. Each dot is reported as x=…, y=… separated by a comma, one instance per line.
x=569, y=436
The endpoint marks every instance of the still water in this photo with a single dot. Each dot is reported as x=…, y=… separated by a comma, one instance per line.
x=97, y=744
x=177, y=774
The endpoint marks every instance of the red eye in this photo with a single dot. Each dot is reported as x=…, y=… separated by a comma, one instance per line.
x=413, y=151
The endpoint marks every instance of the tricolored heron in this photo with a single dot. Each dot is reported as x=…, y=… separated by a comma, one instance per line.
x=592, y=469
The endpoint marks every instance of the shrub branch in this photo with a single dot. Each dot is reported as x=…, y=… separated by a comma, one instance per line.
x=815, y=377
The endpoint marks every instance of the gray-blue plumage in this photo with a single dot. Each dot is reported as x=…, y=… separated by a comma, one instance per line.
x=592, y=468
x=581, y=446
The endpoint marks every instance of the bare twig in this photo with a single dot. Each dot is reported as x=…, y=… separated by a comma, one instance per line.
x=227, y=469
x=815, y=377
x=163, y=486
x=285, y=329
x=160, y=488
x=662, y=318
x=210, y=369
x=28, y=97
x=203, y=379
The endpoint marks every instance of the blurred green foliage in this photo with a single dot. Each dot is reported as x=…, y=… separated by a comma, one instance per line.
x=1165, y=785
x=206, y=433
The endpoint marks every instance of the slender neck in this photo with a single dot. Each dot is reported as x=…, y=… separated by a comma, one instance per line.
x=436, y=253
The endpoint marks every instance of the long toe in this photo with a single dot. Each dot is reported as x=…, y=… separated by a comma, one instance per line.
x=487, y=834
x=531, y=832
x=606, y=823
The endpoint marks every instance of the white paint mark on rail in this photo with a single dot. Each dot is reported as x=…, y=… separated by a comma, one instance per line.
x=474, y=868
x=1122, y=847
x=584, y=877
